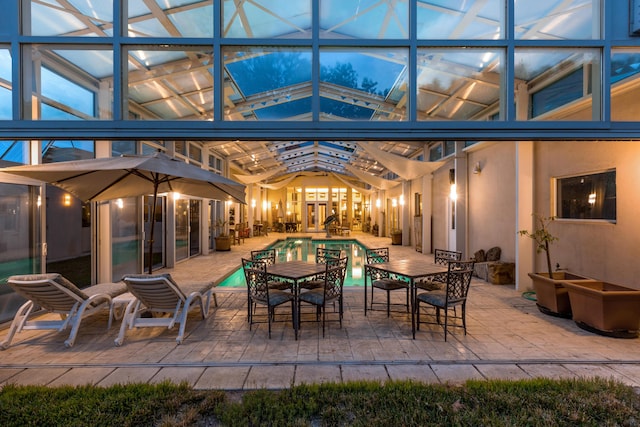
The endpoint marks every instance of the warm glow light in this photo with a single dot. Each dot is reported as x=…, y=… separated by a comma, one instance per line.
x=394, y=203
x=176, y=196
x=452, y=193
x=39, y=202
x=253, y=203
x=377, y=203
x=66, y=200
x=592, y=199
x=401, y=201
x=120, y=203
x=264, y=205
x=356, y=272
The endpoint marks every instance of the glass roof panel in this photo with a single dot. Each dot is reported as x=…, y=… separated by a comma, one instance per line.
x=98, y=63
x=5, y=65
x=624, y=63
x=5, y=104
x=460, y=19
x=530, y=63
x=71, y=18
x=358, y=82
x=336, y=109
x=285, y=111
x=194, y=22
x=63, y=91
x=257, y=70
x=454, y=84
x=152, y=58
x=170, y=18
x=557, y=19
x=370, y=19
x=267, y=18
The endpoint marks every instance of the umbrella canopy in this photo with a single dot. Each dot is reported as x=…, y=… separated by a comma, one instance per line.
x=129, y=176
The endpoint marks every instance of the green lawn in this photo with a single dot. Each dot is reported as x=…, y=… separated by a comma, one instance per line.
x=478, y=403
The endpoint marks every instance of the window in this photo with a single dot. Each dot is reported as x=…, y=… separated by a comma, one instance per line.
x=590, y=196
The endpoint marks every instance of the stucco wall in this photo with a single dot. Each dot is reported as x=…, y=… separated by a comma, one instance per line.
x=596, y=249
x=492, y=199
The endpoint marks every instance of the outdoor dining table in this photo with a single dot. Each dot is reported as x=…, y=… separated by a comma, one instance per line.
x=295, y=272
x=410, y=269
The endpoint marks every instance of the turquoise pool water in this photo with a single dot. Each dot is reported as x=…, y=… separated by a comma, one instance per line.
x=292, y=249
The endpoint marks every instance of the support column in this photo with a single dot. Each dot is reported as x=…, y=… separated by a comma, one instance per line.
x=525, y=251
x=461, y=176
x=427, y=212
x=405, y=207
x=101, y=259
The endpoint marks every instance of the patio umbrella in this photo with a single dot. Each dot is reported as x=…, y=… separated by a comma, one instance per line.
x=131, y=175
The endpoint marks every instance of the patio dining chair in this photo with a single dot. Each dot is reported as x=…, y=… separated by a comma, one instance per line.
x=259, y=292
x=386, y=282
x=160, y=295
x=440, y=257
x=331, y=291
x=453, y=295
x=322, y=255
x=54, y=293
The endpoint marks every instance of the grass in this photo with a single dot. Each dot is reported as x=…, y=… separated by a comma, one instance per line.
x=535, y=402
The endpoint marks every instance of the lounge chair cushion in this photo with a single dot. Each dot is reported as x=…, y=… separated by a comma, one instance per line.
x=186, y=288
x=111, y=289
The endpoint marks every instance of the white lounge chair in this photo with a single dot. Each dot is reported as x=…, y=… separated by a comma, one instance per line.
x=159, y=293
x=56, y=294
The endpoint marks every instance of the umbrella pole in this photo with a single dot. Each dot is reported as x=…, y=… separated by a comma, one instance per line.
x=153, y=223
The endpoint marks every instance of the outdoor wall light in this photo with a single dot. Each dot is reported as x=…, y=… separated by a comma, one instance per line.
x=66, y=199
x=394, y=203
x=253, y=203
x=378, y=203
x=477, y=168
x=452, y=192
x=176, y=196
x=120, y=203
x=264, y=205
x=401, y=200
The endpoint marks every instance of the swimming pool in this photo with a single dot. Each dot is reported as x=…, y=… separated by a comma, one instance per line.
x=291, y=249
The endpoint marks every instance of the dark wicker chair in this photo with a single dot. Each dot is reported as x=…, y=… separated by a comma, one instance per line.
x=322, y=255
x=386, y=282
x=259, y=293
x=330, y=292
x=452, y=296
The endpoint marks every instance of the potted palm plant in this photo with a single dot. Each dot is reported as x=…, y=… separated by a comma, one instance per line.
x=552, y=297
x=223, y=240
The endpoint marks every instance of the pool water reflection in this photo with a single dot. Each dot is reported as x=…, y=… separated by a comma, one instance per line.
x=292, y=249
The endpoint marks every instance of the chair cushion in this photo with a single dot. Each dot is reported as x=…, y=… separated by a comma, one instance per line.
x=54, y=277
x=389, y=284
x=201, y=287
x=111, y=289
x=429, y=285
x=314, y=296
x=436, y=298
x=277, y=297
x=312, y=284
x=276, y=284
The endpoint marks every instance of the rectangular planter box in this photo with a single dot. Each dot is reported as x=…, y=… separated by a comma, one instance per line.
x=552, y=296
x=605, y=308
